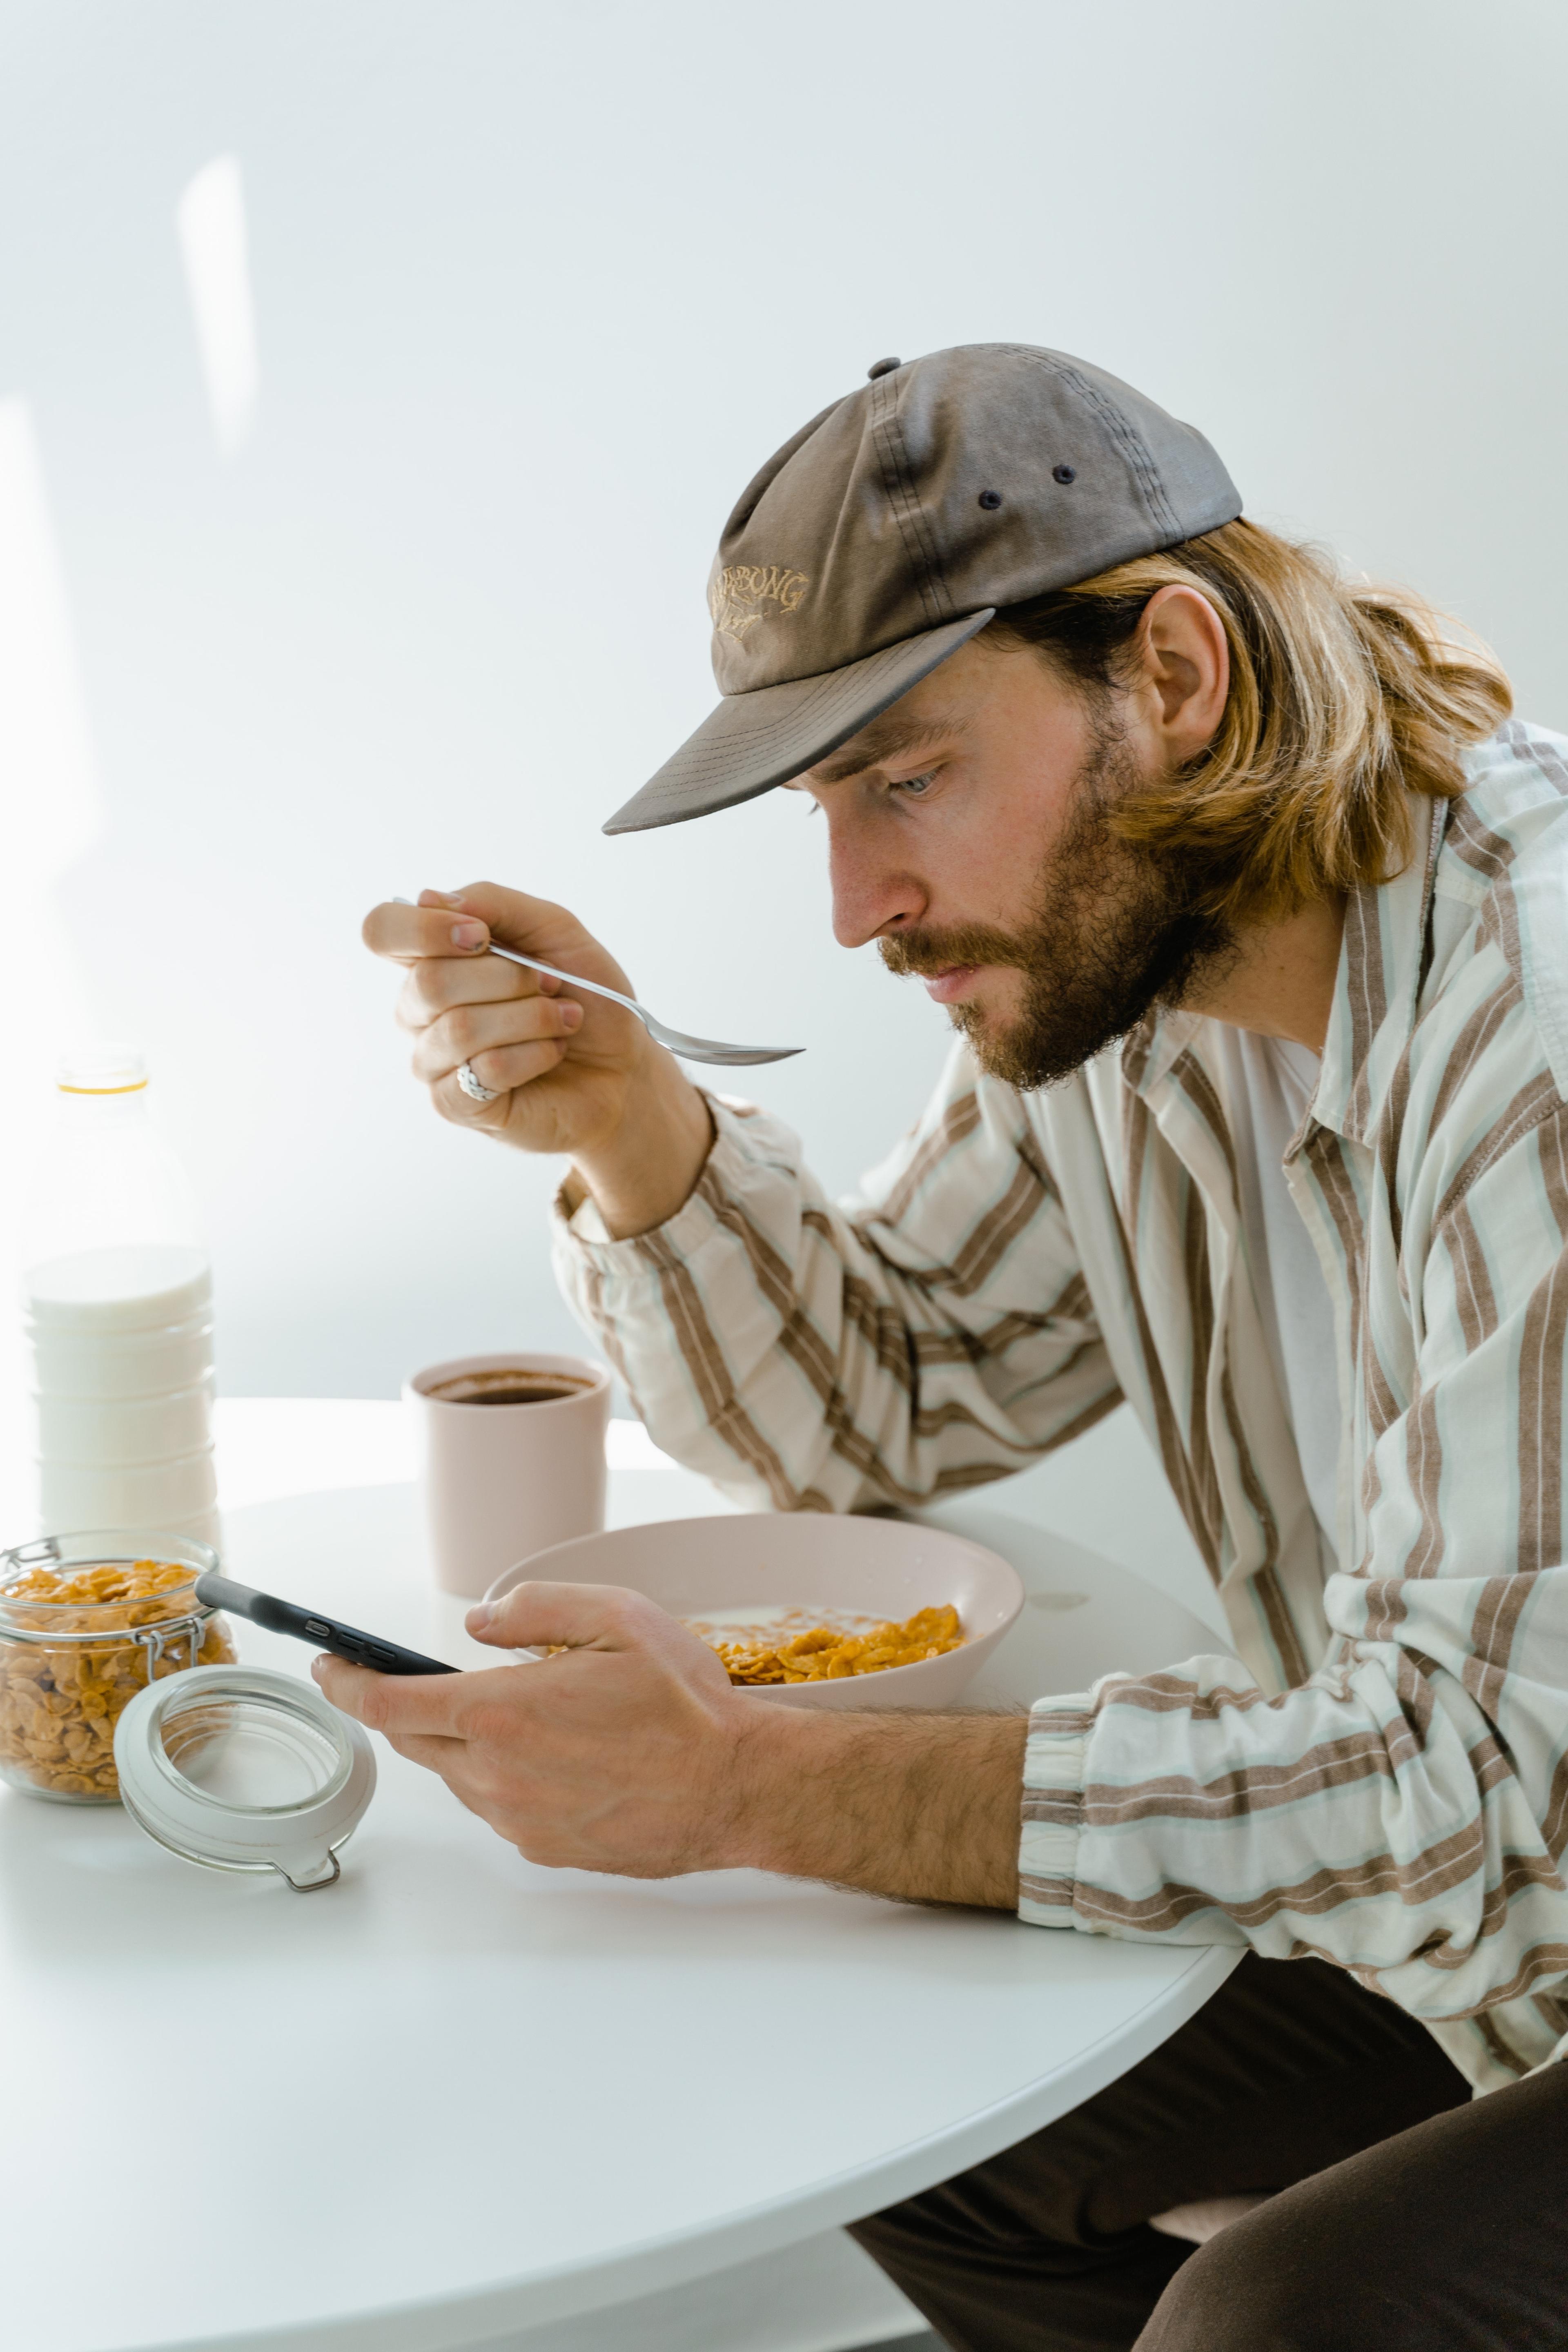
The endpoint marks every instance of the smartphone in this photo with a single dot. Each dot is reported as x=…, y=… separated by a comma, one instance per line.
x=311, y=1625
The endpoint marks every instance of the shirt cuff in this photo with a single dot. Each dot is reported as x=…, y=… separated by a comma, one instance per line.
x=581, y=1229
x=1052, y=1809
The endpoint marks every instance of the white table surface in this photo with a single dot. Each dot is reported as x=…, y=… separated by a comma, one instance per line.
x=458, y=2094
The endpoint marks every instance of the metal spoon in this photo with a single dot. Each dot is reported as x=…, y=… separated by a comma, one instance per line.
x=690, y=1049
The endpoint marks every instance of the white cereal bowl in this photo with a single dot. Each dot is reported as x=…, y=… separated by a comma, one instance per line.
x=805, y=1560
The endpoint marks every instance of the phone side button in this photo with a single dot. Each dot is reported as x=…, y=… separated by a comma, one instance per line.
x=382, y=1657
x=314, y=1625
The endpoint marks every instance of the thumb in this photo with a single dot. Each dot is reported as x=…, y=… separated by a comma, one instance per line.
x=579, y=1616
x=539, y=927
x=533, y=925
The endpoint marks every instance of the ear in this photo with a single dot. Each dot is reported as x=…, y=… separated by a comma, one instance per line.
x=1185, y=659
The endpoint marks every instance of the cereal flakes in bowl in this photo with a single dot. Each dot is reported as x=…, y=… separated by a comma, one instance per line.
x=810, y=1608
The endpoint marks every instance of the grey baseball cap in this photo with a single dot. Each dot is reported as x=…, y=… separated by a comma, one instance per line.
x=895, y=525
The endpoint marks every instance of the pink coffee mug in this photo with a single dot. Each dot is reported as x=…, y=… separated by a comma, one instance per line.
x=511, y=1459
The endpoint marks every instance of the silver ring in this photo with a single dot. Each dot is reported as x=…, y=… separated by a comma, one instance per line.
x=475, y=1088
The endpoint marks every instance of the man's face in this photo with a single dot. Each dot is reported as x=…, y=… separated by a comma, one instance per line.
x=970, y=835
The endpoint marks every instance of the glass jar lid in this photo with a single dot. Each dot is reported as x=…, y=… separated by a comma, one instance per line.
x=240, y=1767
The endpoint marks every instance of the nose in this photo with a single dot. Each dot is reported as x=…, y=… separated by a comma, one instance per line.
x=873, y=890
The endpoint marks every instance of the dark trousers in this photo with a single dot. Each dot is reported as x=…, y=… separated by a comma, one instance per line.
x=1411, y=2220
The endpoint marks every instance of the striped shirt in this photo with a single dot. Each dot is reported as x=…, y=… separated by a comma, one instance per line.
x=1378, y=1776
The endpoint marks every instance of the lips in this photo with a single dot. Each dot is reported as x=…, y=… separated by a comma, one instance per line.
x=951, y=986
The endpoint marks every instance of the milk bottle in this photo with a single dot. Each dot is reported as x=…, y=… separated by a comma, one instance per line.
x=117, y=1292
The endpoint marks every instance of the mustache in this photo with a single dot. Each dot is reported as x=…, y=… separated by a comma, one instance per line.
x=922, y=954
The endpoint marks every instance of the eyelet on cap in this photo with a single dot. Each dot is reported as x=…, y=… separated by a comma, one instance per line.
x=881, y=367
x=990, y=500
x=1064, y=473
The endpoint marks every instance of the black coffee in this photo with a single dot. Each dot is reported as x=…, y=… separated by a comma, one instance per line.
x=509, y=1388
x=514, y=1396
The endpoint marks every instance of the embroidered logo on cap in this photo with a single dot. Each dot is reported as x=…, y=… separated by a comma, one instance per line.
x=743, y=593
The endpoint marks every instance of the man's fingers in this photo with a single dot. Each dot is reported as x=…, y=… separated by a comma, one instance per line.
x=407, y=932
x=541, y=1616
x=437, y=1755
x=539, y=927
x=401, y=1706
x=502, y=1073
x=533, y=925
x=468, y=1030
x=505, y=1046
x=433, y=1720
x=436, y=984
x=445, y=939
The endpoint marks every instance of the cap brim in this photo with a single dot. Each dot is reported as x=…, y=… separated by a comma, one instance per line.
x=752, y=741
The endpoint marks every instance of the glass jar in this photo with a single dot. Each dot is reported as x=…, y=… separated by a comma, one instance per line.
x=86, y=1621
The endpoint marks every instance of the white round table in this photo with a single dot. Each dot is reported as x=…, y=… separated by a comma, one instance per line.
x=458, y=2094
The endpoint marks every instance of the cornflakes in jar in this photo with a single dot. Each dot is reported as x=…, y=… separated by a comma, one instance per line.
x=86, y=1621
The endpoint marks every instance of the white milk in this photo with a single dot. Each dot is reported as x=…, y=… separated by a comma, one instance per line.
x=138, y=1286
x=122, y=1389
x=118, y=1302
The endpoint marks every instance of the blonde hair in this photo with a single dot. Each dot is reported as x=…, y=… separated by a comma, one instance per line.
x=1345, y=700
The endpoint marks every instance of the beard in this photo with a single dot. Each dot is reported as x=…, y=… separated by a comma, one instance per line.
x=1113, y=931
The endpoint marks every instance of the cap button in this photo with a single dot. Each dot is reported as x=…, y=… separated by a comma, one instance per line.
x=881, y=367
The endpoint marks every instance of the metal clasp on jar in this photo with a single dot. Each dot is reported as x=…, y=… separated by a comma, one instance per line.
x=152, y=1638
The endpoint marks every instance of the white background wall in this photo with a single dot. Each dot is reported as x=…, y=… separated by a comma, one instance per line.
x=537, y=287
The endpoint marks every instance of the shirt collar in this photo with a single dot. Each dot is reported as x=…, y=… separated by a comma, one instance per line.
x=1381, y=967
x=1159, y=1039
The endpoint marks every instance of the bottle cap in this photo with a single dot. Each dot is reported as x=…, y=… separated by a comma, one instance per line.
x=102, y=1068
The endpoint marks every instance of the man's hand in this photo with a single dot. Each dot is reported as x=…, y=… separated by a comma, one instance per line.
x=579, y=1078
x=629, y=1751
x=619, y=1753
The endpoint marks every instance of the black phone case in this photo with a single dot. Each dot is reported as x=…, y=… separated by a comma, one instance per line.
x=313, y=1626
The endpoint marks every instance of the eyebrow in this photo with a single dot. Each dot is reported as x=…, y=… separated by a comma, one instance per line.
x=879, y=741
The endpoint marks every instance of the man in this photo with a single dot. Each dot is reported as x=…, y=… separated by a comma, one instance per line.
x=1248, y=900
